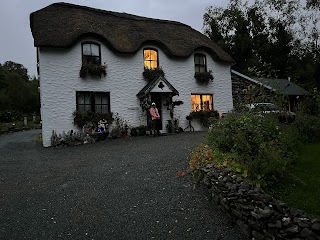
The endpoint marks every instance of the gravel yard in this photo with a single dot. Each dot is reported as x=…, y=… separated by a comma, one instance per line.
x=116, y=189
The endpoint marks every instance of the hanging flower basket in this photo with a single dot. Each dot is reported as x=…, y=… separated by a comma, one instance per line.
x=93, y=70
x=152, y=73
x=203, y=77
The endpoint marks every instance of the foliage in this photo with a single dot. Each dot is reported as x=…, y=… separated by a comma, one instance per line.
x=82, y=118
x=133, y=132
x=269, y=38
x=310, y=105
x=93, y=70
x=263, y=148
x=203, y=77
x=145, y=103
x=120, y=123
x=142, y=130
x=18, y=93
x=70, y=138
x=204, y=116
x=204, y=156
x=308, y=128
x=115, y=132
x=152, y=73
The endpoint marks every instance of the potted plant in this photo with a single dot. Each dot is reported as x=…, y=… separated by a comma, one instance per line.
x=203, y=77
x=133, y=132
x=115, y=132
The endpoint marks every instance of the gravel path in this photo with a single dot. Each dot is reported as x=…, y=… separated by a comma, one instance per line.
x=117, y=189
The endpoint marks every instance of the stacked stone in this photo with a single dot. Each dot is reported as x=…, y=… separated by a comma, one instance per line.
x=259, y=215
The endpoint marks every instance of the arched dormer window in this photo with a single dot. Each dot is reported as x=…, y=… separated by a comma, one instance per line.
x=200, y=62
x=150, y=58
x=91, y=52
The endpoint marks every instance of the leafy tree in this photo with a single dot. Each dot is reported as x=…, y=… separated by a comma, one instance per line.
x=18, y=93
x=272, y=37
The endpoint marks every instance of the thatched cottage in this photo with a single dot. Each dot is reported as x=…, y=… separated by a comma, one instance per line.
x=97, y=60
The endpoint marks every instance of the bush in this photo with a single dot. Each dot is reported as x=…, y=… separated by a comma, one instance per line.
x=262, y=148
x=308, y=128
x=204, y=156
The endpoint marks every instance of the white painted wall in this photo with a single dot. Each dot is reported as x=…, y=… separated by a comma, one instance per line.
x=59, y=81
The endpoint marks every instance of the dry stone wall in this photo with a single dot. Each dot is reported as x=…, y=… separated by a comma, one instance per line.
x=258, y=214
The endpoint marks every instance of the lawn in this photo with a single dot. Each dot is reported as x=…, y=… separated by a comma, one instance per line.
x=303, y=189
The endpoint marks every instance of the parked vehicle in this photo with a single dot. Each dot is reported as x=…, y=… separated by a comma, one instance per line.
x=270, y=108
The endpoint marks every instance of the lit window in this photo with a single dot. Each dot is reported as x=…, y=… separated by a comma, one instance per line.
x=91, y=53
x=150, y=57
x=200, y=63
x=98, y=102
x=201, y=102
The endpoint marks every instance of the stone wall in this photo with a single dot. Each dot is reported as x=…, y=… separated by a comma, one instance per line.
x=239, y=84
x=259, y=215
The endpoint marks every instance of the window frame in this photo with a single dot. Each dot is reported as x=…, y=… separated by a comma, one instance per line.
x=201, y=101
x=198, y=65
x=151, y=49
x=91, y=43
x=92, y=100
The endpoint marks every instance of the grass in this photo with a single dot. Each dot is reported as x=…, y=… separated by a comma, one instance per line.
x=303, y=187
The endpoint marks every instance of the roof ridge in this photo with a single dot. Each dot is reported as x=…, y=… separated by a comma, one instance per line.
x=119, y=14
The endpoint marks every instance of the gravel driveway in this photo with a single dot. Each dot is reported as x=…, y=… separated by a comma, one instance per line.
x=117, y=189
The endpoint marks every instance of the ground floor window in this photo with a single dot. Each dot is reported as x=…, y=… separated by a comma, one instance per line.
x=201, y=102
x=93, y=101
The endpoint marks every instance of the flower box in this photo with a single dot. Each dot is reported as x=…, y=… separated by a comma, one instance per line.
x=152, y=73
x=93, y=70
x=203, y=77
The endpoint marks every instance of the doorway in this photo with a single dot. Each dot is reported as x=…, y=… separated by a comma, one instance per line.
x=157, y=99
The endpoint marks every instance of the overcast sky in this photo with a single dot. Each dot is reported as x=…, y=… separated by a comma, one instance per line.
x=16, y=42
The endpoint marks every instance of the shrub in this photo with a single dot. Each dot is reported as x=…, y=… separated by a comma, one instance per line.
x=142, y=130
x=204, y=156
x=308, y=128
x=262, y=148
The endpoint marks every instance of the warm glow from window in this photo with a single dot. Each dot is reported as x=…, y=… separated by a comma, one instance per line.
x=150, y=58
x=201, y=102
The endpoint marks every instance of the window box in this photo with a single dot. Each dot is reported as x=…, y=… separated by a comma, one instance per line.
x=204, y=116
x=93, y=70
x=152, y=73
x=203, y=77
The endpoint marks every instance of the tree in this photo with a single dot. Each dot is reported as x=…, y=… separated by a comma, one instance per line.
x=274, y=37
x=18, y=93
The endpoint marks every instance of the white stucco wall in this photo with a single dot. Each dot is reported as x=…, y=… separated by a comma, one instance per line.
x=59, y=81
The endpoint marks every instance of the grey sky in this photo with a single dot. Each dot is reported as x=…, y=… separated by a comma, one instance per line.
x=16, y=42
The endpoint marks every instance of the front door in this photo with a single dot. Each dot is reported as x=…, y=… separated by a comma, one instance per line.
x=156, y=98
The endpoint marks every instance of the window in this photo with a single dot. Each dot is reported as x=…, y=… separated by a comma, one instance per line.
x=91, y=53
x=93, y=101
x=150, y=57
x=201, y=102
x=200, y=63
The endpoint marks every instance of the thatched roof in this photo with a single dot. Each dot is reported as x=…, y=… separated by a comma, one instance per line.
x=60, y=25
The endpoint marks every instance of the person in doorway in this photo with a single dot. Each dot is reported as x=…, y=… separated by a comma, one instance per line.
x=155, y=116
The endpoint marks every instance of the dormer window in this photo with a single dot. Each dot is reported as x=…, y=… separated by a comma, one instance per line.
x=91, y=53
x=150, y=57
x=200, y=62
